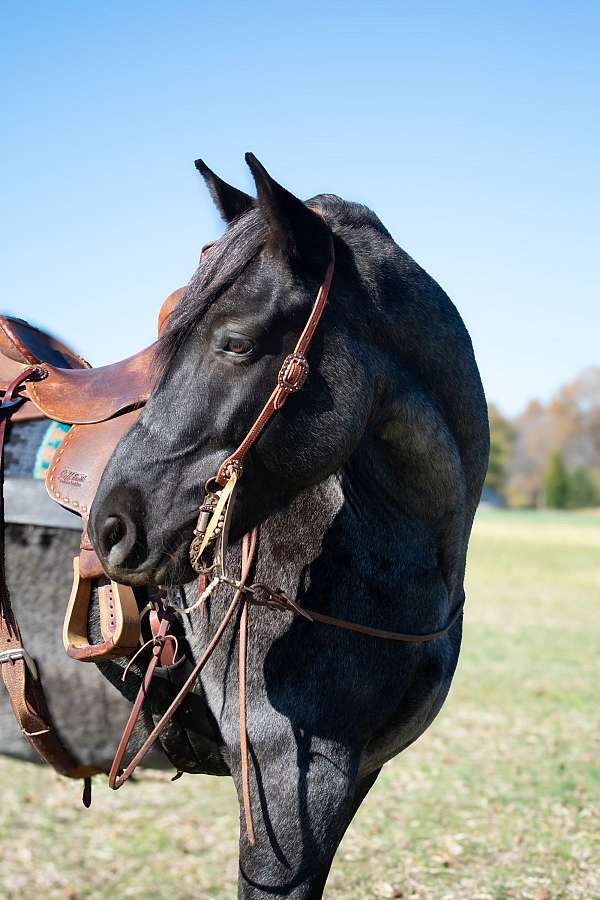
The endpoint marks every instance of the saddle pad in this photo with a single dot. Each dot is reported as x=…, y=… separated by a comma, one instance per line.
x=53, y=438
x=28, y=453
x=26, y=502
x=30, y=447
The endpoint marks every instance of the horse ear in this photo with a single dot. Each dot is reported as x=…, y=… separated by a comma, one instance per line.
x=295, y=229
x=230, y=202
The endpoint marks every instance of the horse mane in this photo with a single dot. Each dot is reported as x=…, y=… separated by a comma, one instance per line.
x=221, y=266
x=227, y=258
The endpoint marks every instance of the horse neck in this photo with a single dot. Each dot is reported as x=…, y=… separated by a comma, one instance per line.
x=365, y=537
x=337, y=531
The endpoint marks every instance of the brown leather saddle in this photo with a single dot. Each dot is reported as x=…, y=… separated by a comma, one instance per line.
x=101, y=405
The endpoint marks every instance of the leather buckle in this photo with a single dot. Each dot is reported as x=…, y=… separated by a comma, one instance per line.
x=20, y=653
x=293, y=373
x=274, y=599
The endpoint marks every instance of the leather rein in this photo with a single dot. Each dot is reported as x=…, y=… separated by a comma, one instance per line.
x=207, y=557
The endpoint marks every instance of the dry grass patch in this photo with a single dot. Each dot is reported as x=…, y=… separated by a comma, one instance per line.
x=499, y=800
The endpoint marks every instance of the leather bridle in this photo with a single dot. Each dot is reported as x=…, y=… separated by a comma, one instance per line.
x=210, y=537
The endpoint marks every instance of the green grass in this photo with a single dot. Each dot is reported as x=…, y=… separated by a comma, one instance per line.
x=499, y=799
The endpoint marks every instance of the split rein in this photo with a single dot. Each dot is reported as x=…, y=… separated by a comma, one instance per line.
x=207, y=557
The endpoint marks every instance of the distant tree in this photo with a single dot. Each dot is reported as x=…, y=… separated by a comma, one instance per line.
x=582, y=488
x=501, y=437
x=574, y=418
x=556, y=483
x=528, y=457
x=569, y=424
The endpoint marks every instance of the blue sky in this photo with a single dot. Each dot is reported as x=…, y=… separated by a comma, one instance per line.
x=471, y=129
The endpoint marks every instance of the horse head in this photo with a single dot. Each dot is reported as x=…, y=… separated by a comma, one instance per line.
x=393, y=404
x=241, y=313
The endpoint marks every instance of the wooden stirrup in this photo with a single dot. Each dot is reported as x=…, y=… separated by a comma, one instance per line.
x=119, y=619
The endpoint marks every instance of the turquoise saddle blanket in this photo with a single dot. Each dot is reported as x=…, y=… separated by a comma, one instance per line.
x=28, y=453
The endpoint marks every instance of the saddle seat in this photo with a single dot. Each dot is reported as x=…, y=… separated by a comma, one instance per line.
x=71, y=391
x=23, y=343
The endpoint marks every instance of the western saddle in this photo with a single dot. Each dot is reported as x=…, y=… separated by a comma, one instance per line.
x=42, y=378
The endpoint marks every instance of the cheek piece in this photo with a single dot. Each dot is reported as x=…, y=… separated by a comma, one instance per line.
x=221, y=490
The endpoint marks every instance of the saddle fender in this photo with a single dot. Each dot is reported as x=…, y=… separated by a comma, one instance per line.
x=72, y=481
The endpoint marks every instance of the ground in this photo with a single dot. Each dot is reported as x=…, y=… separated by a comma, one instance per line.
x=499, y=799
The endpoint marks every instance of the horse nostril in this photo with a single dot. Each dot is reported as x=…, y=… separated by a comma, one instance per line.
x=116, y=539
x=114, y=530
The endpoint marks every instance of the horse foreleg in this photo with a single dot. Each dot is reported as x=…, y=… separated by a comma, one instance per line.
x=361, y=790
x=301, y=809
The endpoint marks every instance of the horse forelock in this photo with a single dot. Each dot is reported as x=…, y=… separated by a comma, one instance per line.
x=231, y=254
x=220, y=267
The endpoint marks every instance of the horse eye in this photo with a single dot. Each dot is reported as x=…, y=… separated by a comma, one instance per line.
x=240, y=346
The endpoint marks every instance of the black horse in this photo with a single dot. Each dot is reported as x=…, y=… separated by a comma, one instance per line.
x=365, y=486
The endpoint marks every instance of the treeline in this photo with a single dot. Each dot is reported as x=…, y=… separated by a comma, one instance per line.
x=550, y=454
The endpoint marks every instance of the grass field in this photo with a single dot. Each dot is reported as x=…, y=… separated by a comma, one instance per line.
x=500, y=799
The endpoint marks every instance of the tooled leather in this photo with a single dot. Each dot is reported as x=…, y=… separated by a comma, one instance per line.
x=52, y=478
x=78, y=464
